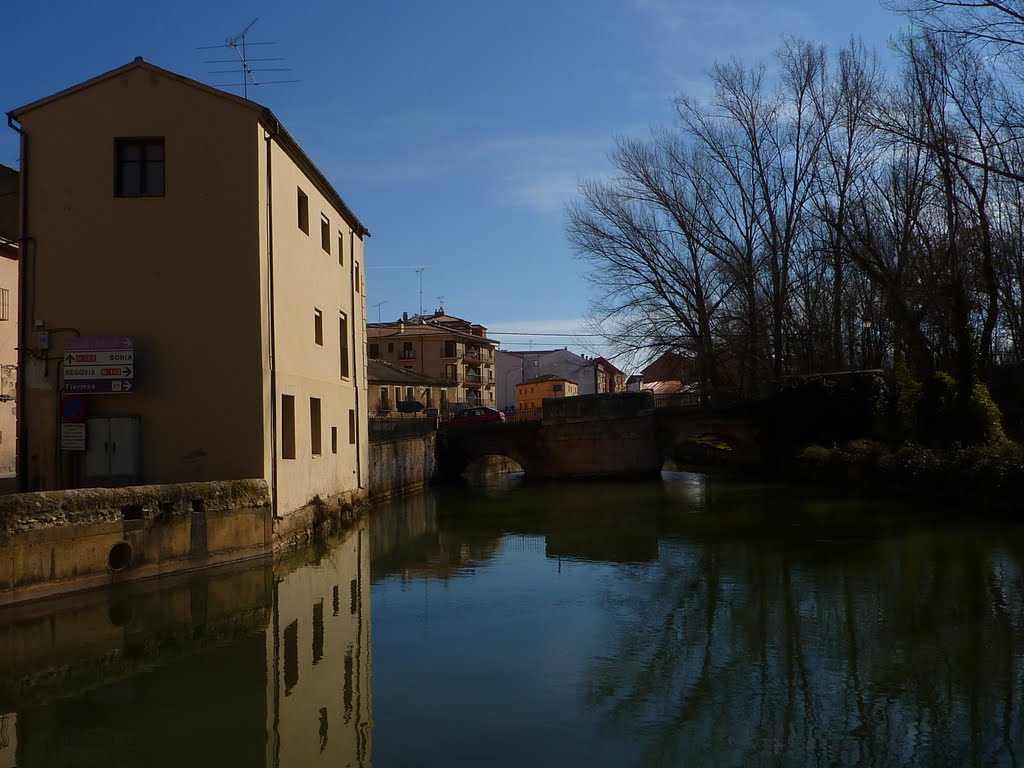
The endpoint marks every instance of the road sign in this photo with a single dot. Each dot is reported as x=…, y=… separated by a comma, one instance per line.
x=93, y=343
x=72, y=409
x=72, y=437
x=100, y=357
x=98, y=386
x=99, y=372
x=99, y=364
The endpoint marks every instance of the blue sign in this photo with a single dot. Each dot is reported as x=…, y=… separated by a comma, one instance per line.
x=72, y=408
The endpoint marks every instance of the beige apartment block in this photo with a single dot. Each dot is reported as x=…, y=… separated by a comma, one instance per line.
x=189, y=222
x=9, y=249
x=442, y=346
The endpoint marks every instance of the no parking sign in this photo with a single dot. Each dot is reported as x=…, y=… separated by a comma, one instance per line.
x=72, y=409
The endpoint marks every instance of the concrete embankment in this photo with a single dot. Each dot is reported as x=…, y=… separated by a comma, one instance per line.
x=53, y=542
x=59, y=542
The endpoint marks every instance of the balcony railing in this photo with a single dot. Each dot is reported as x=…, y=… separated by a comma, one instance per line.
x=407, y=354
x=472, y=378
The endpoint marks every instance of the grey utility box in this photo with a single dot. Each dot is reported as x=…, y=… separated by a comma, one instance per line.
x=112, y=449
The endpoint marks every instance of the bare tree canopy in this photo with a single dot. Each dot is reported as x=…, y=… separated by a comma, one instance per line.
x=816, y=216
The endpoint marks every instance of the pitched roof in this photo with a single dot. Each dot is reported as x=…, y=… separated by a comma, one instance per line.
x=382, y=372
x=268, y=118
x=668, y=367
x=545, y=377
x=401, y=329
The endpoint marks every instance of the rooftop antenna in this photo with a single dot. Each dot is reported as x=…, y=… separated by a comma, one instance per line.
x=419, y=270
x=378, y=305
x=440, y=303
x=240, y=46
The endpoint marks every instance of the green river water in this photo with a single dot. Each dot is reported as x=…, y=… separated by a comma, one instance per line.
x=692, y=622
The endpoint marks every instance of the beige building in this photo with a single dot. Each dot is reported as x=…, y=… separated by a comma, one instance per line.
x=188, y=226
x=530, y=394
x=390, y=385
x=9, y=195
x=442, y=346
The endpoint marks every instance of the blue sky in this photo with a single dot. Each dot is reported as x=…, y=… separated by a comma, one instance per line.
x=455, y=130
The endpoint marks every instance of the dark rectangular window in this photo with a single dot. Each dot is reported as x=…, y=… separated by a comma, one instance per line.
x=341, y=249
x=348, y=684
x=334, y=439
x=351, y=427
x=287, y=427
x=291, y=656
x=356, y=264
x=343, y=344
x=139, y=167
x=314, y=426
x=391, y=348
x=335, y=600
x=303, y=211
x=375, y=351
x=318, y=630
x=318, y=326
x=325, y=233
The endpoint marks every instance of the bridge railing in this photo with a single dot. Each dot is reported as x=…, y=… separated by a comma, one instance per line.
x=677, y=399
x=523, y=414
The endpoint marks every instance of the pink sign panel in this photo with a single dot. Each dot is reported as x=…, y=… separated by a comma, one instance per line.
x=90, y=343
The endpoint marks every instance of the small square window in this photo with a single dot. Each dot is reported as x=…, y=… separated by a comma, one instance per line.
x=318, y=327
x=303, y=211
x=325, y=233
x=139, y=167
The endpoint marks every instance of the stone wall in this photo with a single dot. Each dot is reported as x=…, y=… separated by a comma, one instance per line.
x=54, y=542
x=402, y=465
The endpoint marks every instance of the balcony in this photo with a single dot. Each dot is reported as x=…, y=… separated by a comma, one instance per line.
x=451, y=351
x=407, y=354
x=472, y=378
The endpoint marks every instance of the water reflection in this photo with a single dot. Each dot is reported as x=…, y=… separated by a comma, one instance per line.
x=690, y=622
x=261, y=664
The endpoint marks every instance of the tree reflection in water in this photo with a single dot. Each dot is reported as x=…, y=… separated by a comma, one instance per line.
x=808, y=645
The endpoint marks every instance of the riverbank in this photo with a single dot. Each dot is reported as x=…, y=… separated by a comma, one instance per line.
x=988, y=478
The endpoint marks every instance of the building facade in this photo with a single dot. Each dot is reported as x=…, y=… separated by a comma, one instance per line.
x=187, y=225
x=591, y=375
x=9, y=250
x=530, y=394
x=392, y=389
x=441, y=346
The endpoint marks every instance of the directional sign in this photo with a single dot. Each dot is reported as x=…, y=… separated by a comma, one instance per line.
x=99, y=364
x=98, y=386
x=93, y=343
x=100, y=357
x=98, y=372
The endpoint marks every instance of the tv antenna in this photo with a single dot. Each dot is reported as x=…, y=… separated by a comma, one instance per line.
x=240, y=45
x=378, y=305
x=419, y=270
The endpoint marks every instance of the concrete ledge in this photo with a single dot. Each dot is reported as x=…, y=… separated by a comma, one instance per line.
x=57, y=542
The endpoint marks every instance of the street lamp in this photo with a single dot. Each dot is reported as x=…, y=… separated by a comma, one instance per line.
x=864, y=338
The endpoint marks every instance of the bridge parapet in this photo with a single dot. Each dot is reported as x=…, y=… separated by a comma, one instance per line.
x=620, y=405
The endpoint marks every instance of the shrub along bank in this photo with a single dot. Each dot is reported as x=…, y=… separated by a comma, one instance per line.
x=924, y=438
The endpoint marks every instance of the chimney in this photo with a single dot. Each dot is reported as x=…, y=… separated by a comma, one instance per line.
x=405, y=317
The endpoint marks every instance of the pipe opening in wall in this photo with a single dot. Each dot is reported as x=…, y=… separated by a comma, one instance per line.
x=120, y=556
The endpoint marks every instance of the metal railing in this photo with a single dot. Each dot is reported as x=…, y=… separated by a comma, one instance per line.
x=677, y=399
x=407, y=354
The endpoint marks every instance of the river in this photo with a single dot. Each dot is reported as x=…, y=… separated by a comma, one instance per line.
x=690, y=622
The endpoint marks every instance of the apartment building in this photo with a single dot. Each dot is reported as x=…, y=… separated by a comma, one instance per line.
x=591, y=375
x=9, y=250
x=394, y=390
x=193, y=295
x=442, y=346
x=530, y=394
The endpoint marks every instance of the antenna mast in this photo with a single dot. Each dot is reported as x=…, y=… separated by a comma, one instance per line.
x=240, y=45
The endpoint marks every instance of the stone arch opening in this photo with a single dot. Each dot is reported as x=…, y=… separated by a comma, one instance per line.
x=702, y=451
x=491, y=468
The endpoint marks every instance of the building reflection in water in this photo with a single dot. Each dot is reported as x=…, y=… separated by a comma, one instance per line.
x=258, y=664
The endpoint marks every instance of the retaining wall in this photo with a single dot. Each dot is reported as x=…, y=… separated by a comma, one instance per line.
x=401, y=465
x=54, y=542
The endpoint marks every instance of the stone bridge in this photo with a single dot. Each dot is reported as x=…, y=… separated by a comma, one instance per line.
x=613, y=435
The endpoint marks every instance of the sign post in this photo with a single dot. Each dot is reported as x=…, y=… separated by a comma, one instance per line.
x=95, y=365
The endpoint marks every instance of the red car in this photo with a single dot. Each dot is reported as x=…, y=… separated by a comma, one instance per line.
x=478, y=415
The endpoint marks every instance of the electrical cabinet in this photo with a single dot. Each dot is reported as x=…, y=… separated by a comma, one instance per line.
x=112, y=449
